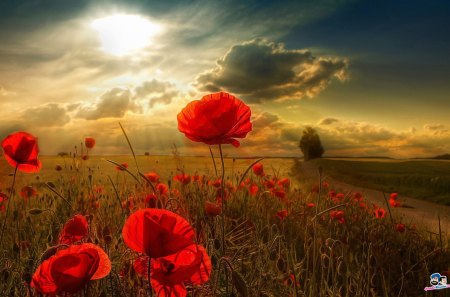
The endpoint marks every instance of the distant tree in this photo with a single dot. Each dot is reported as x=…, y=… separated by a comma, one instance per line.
x=310, y=144
x=146, y=154
x=62, y=154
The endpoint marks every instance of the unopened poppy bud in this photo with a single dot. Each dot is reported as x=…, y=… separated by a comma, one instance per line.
x=217, y=244
x=281, y=265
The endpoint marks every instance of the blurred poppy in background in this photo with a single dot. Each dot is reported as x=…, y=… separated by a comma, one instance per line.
x=75, y=229
x=89, y=142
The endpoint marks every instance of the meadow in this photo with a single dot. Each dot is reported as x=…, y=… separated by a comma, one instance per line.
x=173, y=226
x=422, y=179
x=282, y=239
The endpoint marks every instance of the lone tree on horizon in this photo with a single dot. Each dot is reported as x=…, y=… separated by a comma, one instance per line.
x=310, y=144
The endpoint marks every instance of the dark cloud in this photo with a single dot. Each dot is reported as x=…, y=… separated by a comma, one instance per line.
x=113, y=104
x=260, y=70
x=158, y=92
x=51, y=114
x=328, y=121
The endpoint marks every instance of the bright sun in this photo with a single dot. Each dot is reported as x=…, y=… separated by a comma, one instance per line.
x=123, y=34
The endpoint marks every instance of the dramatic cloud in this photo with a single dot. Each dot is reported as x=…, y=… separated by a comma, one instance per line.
x=113, y=104
x=156, y=91
x=328, y=121
x=48, y=115
x=260, y=70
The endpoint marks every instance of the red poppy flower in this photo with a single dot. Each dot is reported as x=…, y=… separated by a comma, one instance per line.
x=69, y=270
x=258, y=169
x=182, y=178
x=358, y=196
x=284, y=182
x=269, y=184
x=21, y=150
x=189, y=266
x=400, y=227
x=122, y=167
x=27, y=192
x=89, y=142
x=157, y=232
x=380, y=213
x=393, y=196
x=162, y=189
x=150, y=200
x=212, y=209
x=279, y=193
x=152, y=177
x=215, y=119
x=3, y=199
x=74, y=230
x=253, y=190
x=394, y=203
x=282, y=214
x=217, y=183
x=338, y=215
x=310, y=205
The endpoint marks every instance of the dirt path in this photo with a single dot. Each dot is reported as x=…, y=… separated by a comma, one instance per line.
x=420, y=212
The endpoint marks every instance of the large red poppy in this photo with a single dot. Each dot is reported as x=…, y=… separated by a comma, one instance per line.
x=170, y=274
x=157, y=232
x=69, y=270
x=21, y=149
x=215, y=119
x=74, y=230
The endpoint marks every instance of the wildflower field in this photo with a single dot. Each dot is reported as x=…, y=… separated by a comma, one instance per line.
x=87, y=225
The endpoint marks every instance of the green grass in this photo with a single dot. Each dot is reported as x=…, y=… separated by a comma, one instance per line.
x=423, y=179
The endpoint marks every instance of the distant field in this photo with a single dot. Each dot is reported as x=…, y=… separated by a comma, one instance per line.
x=165, y=166
x=424, y=179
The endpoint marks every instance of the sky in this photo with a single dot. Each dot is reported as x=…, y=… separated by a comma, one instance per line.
x=372, y=77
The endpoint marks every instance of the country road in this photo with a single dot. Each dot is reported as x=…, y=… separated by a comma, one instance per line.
x=420, y=212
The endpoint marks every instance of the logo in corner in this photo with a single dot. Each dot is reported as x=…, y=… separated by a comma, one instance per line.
x=437, y=282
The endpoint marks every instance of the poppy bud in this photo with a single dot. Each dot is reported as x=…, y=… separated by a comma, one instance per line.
x=239, y=283
x=281, y=265
x=217, y=244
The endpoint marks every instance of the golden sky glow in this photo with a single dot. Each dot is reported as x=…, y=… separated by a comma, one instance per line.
x=68, y=71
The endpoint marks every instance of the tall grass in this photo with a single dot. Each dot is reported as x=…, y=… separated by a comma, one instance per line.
x=308, y=253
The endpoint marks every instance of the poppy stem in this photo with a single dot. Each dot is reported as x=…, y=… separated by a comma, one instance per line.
x=222, y=201
x=11, y=190
x=223, y=213
x=212, y=157
x=148, y=276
